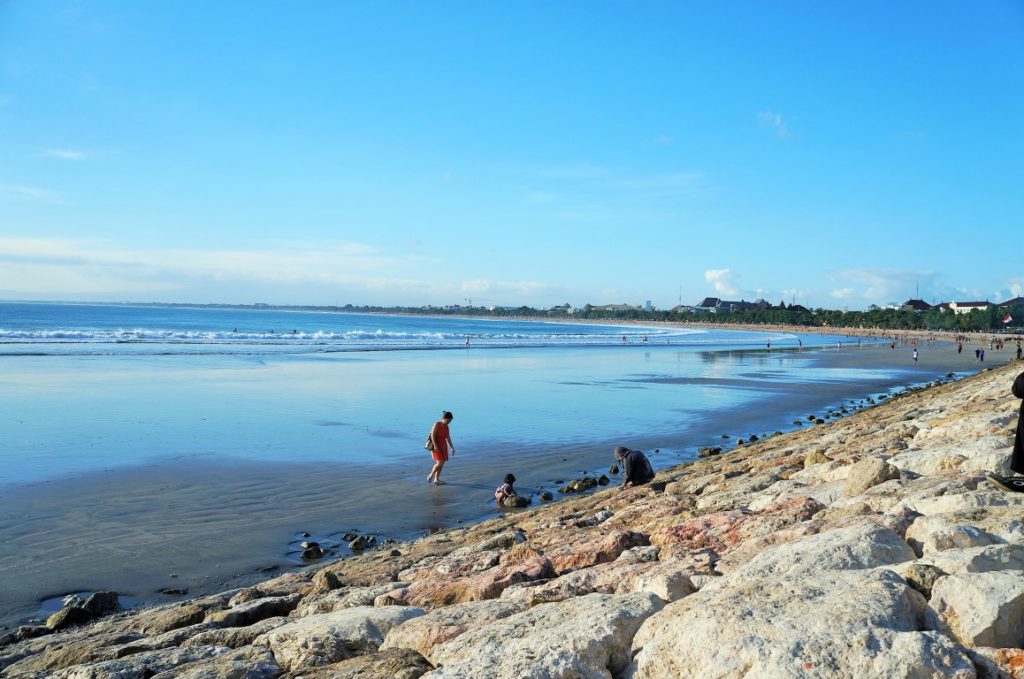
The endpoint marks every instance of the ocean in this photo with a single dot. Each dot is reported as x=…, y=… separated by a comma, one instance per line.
x=93, y=387
x=143, y=447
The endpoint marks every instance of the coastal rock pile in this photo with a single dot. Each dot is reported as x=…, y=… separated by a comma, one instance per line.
x=868, y=546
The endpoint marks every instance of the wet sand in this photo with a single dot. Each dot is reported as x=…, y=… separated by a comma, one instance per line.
x=206, y=527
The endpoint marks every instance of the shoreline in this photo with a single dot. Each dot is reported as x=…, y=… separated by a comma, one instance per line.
x=308, y=501
x=722, y=530
x=185, y=493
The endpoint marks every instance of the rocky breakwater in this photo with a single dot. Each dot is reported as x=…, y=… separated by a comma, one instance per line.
x=869, y=546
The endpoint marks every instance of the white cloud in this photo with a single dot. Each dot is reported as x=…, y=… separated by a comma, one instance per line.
x=722, y=280
x=37, y=268
x=30, y=193
x=1016, y=287
x=64, y=154
x=776, y=122
x=842, y=293
x=885, y=286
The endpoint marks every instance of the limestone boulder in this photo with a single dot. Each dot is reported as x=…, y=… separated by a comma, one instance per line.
x=295, y=582
x=983, y=559
x=489, y=584
x=396, y=663
x=142, y=665
x=234, y=637
x=861, y=546
x=866, y=473
x=831, y=625
x=252, y=611
x=345, y=597
x=251, y=662
x=980, y=609
x=668, y=580
x=930, y=534
x=330, y=637
x=597, y=549
x=584, y=637
x=424, y=633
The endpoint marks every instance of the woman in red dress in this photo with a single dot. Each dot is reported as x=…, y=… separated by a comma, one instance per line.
x=442, y=441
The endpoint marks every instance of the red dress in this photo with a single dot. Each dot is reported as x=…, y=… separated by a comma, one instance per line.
x=440, y=452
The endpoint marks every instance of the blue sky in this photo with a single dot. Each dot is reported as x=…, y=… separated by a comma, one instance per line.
x=839, y=154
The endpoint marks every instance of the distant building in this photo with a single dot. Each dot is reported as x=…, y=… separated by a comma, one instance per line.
x=968, y=307
x=708, y=305
x=647, y=305
x=1016, y=301
x=566, y=309
x=615, y=307
x=916, y=305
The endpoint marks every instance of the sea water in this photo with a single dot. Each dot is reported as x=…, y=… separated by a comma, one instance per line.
x=90, y=388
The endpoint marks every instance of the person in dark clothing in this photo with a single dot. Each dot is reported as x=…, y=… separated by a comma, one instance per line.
x=1015, y=483
x=636, y=468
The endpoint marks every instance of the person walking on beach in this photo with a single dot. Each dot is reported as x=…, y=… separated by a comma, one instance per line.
x=442, y=441
x=1014, y=483
x=635, y=467
x=915, y=356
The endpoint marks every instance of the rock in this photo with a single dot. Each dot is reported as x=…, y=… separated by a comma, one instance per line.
x=708, y=452
x=396, y=663
x=144, y=665
x=579, y=485
x=603, y=480
x=323, y=639
x=62, y=650
x=614, y=469
x=100, y=603
x=66, y=617
x=234, y=637
x=769, y=628
x=362, y=542
x=325, y=580
x=312, y=552
x=488, y=584
x=978, y=559
x=815, y=457
x=515, y=502
x=602, y=516
x=173, y=591
x=998, y=663
x=425, y=633
x=857, y=547
x=341, y=598
x=252, y=612
x=164, y=619
x=594, y=634
x=547, y=496
x=866, y=473
x=283, y=585
x=922, y=577
x=596, y=550
x=931, y=534
x=980, y=609
x=244, y=663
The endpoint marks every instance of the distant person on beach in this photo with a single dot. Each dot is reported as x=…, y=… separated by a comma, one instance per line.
x=981, y=356
x=506, y=495
x=977, y=354
x=915, y=355
x=636, y=468
x=1015, y=483
x=1020, y=352
x=442, y=441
